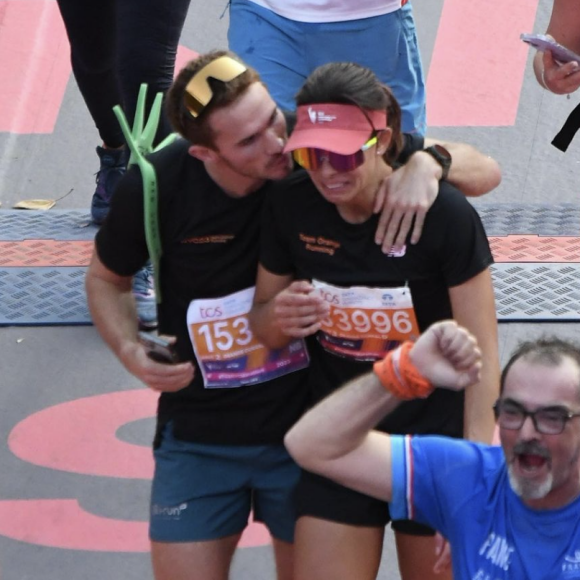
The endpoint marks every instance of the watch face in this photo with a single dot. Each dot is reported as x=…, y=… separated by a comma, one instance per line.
x=442, y=156
x=443, y=152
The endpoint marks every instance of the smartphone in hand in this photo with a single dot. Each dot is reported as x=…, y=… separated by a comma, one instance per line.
x=542, y=42
x=158, y=349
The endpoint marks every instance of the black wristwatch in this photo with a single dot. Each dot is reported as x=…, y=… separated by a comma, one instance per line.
x=442, y=156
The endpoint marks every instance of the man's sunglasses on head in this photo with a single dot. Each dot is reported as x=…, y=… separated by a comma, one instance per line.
x=198, y=93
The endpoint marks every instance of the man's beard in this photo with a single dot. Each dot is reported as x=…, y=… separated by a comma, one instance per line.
x=527, y=489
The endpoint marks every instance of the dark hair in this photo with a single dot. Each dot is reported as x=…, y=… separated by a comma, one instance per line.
x=549, y=351
x=197, y=130
x=351, y=83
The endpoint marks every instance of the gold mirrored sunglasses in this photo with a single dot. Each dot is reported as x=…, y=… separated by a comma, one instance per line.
x=198, y=93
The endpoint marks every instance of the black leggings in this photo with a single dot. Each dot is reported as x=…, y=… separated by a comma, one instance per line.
x=115, y=46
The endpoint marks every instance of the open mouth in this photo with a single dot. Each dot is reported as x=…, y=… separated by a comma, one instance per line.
x=335, y=187
x=531, y=464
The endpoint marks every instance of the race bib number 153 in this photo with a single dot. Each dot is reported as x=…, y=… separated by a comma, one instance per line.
x=227, y=352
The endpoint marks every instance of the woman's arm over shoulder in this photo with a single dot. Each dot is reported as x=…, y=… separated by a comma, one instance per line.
x=472, y=172
x=405, y=198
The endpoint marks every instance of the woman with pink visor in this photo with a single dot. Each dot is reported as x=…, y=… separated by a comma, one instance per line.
x=323, y=277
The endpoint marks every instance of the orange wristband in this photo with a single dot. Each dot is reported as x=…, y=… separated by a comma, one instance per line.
x=400, y=376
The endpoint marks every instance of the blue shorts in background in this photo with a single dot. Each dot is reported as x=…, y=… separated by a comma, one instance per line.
x=285, y=52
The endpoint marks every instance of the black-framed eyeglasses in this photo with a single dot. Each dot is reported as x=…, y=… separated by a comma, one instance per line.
x=198, y=93
x=547, y=420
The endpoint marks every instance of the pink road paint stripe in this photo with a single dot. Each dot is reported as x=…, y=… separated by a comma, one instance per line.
x=184, y=55
x=35, y=438
x=35, y=65
x=478, y=62
x=63, y=523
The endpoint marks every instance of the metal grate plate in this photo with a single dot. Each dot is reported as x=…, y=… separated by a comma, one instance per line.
x=535, y=249
x=38, y=296
x=504, y=219
x=22, y=224
x=43, y=259
x=534, y=292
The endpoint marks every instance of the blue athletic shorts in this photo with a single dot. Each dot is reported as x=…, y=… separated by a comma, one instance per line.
x=285, y=52
x=205, y=492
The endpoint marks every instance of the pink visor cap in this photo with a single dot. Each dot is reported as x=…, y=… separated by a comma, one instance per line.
x=338, y=128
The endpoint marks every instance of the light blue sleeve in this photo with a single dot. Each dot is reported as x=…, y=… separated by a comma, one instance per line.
x=431, y=477
x=398, y=505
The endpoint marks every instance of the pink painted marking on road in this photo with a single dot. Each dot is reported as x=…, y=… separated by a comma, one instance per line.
x=478, y=62
x=184, y=55
x=80, y=436
x=63, y=523
x=35, y=65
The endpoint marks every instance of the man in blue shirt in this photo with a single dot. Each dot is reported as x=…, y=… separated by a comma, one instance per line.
x=510, y=512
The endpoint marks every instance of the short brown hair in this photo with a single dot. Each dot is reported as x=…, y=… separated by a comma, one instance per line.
x=196, y=129
x=547, y=351
x=353, y=84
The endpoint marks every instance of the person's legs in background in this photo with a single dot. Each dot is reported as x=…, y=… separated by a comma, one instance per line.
x=408, y=82
x=93, y=35
x=273, y=46
x=148, y=37
x=92, y=32
x=148, y=33
x=116, y=46
x=285, y=52
x=387, y=45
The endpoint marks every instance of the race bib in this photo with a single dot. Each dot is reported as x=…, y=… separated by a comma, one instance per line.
x=227, y=352
x=365, y=323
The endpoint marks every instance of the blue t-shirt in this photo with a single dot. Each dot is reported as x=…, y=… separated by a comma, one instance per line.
x=462, y=489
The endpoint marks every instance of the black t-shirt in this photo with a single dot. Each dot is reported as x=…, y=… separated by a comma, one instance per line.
x=453, y=248
x=210, y=247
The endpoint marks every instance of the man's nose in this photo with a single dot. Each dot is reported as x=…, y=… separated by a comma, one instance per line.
x=528, y=429
x=275, y=142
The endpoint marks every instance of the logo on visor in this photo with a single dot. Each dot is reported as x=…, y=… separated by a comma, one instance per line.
x=319, y=116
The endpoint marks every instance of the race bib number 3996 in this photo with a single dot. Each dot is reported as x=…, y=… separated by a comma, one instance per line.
x=227, y=352
x=365, y=323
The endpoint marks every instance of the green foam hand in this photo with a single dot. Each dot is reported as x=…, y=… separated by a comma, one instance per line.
x=140, y=143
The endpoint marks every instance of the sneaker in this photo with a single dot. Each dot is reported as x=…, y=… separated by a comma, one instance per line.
x=113, y=167
x=144, y=293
